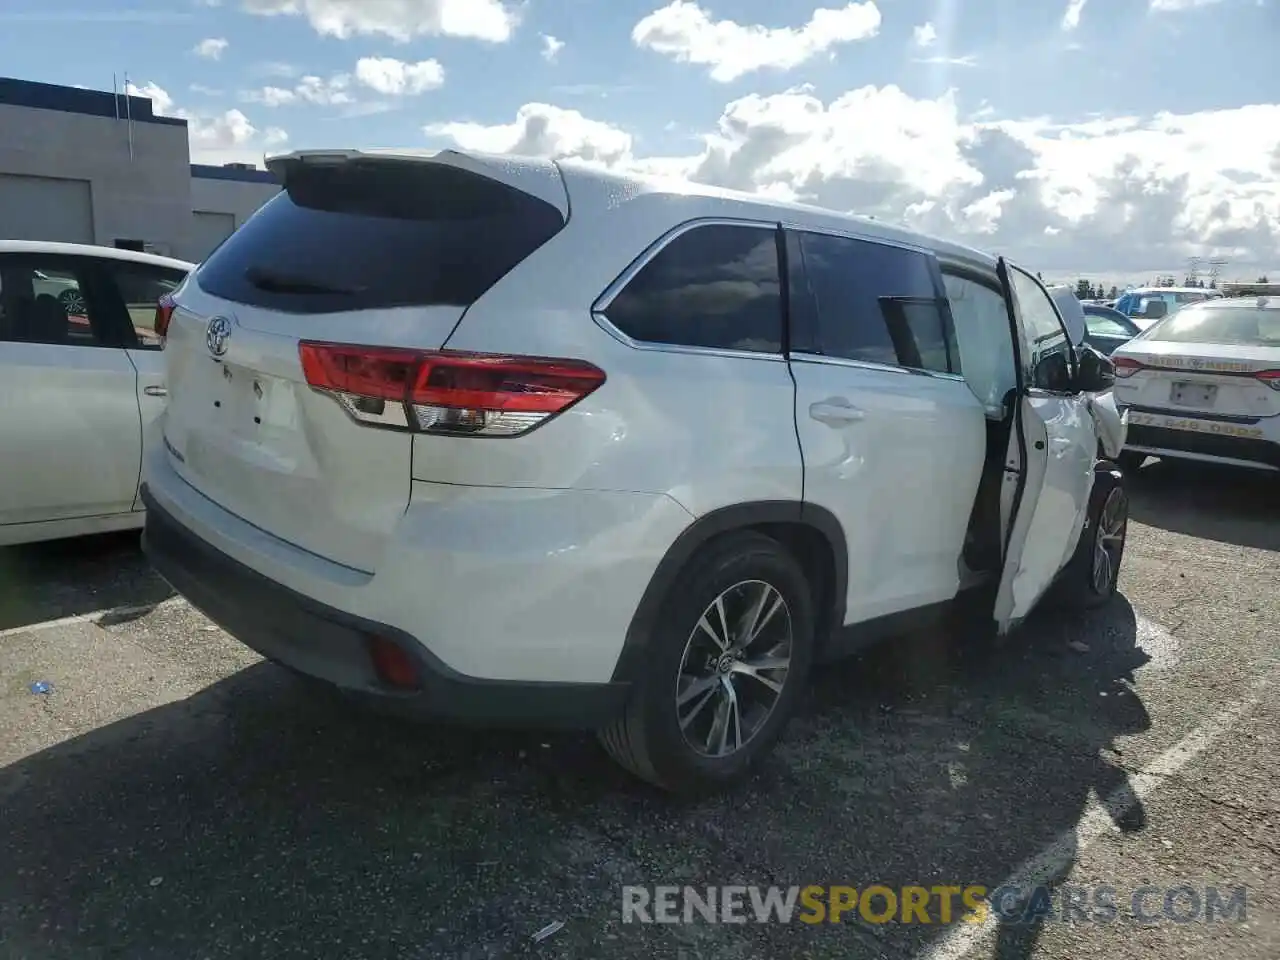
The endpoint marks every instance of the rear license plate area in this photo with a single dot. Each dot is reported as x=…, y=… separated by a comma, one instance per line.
x=1193, y=394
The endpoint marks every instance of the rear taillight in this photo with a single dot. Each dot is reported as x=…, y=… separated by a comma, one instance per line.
x=1270, y=377
x=164, y=313
x=1125, y=366
x=447, y=392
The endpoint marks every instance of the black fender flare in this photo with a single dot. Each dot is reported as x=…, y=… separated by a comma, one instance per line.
x=739, y=516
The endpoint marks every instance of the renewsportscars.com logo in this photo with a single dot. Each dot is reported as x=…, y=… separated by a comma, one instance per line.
x=940, y=904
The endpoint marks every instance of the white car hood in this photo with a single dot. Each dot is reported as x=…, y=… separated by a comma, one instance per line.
x=1111, y=425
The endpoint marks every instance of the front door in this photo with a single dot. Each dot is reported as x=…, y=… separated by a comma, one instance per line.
x=1052, y=449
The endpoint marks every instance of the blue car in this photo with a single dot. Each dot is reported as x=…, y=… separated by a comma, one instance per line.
x=1107, y=328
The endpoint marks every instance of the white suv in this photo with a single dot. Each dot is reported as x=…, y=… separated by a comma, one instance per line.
x=516, y=441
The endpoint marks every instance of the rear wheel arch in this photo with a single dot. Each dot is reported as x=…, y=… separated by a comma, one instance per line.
x=811, y=533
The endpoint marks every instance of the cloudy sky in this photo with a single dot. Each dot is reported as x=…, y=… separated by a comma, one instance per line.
x=1113, y=138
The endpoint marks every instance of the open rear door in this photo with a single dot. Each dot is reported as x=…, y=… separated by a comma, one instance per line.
x=1048, y=476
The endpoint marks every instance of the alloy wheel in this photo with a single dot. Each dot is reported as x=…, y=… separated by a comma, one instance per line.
x=734, y=668
x=1108, y=541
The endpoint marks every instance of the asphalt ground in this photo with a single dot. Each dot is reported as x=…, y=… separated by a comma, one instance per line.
x=173, y=796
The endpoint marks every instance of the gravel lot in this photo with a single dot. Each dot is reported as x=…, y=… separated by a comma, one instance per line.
x=175, y=797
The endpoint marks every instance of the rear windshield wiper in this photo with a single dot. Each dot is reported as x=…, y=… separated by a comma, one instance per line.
x=275, y=282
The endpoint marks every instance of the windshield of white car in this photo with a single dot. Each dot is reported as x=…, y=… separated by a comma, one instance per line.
x=1248, y=326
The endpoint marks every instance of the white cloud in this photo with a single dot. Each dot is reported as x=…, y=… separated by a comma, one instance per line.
x=551, y=47
x=310, y=89
x=685, y=31
x=401, y=20
x=1112, y=196
x=1172, y=6
x=397, y=78
x=210, y=48
x=216, y=137
x=967, y=60
x=546, y=131
x=925, y=35
x=1071, y=17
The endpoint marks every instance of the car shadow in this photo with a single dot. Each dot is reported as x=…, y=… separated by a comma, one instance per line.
x=257, y=818
x=1229, y=504
x=62, y=578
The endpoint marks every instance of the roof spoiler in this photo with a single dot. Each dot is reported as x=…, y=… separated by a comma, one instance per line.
x=537, y=177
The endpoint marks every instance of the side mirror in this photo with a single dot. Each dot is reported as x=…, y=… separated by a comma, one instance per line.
x=1052, y=372
x=1096, y=372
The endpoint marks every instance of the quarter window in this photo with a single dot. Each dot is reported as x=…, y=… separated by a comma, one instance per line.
x=862, y=300
x=140, y=286
x=716, y=286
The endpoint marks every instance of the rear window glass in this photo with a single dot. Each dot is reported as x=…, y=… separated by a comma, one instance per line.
x=1243, y=326
x=375, y=234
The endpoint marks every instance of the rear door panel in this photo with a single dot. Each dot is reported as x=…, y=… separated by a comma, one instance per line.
x=894, y=453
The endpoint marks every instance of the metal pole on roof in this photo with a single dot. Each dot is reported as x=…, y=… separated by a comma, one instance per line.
x=128, y=107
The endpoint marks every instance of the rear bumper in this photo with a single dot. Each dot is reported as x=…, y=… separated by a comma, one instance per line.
x=1254, y=452
x=330, y=644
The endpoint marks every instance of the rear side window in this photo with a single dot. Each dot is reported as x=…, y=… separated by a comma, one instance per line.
x=716, y=286
x=862, y=300
x=372, y=234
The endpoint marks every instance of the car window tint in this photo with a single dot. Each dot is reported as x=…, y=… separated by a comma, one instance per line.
x=376, y=234
x=874, y=302
x=984, y=340
x=1246, y=325
x=715, y=286
x=1101, y=325
x=47, y=300
x=140, y=286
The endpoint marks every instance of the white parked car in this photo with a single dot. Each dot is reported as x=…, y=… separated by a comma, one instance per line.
x=637, y=467
x=81, y=376
x=1204, y=384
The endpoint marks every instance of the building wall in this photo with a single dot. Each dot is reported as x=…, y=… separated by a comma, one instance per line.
x=61, y=144
x=144, y=197
x=228, y=192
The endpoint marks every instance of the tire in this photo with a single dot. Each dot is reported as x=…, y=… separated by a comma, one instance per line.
x=738, y=570
x=1130, y=461
x=1083, y=584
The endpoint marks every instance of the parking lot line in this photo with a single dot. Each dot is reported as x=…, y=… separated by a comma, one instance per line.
x=1051, y=863
x=92, y=617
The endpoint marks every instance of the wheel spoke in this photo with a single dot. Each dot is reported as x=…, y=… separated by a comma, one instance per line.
x=695, y=688
x=718, y=735
x=759, y=617
x=721, y=640
x=708, y=695
x=748, y=670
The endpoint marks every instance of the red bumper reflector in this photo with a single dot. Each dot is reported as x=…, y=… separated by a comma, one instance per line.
x=393, y=666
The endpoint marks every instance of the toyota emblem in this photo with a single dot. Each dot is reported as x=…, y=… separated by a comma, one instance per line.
x=215, y=337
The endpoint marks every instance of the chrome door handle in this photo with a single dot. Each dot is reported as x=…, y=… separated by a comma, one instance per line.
x=155, y=391
x=835, y=411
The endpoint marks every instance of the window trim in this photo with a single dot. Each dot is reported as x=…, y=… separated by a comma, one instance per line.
x=792, y=229
x=1032, y=344
x=599, y=309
